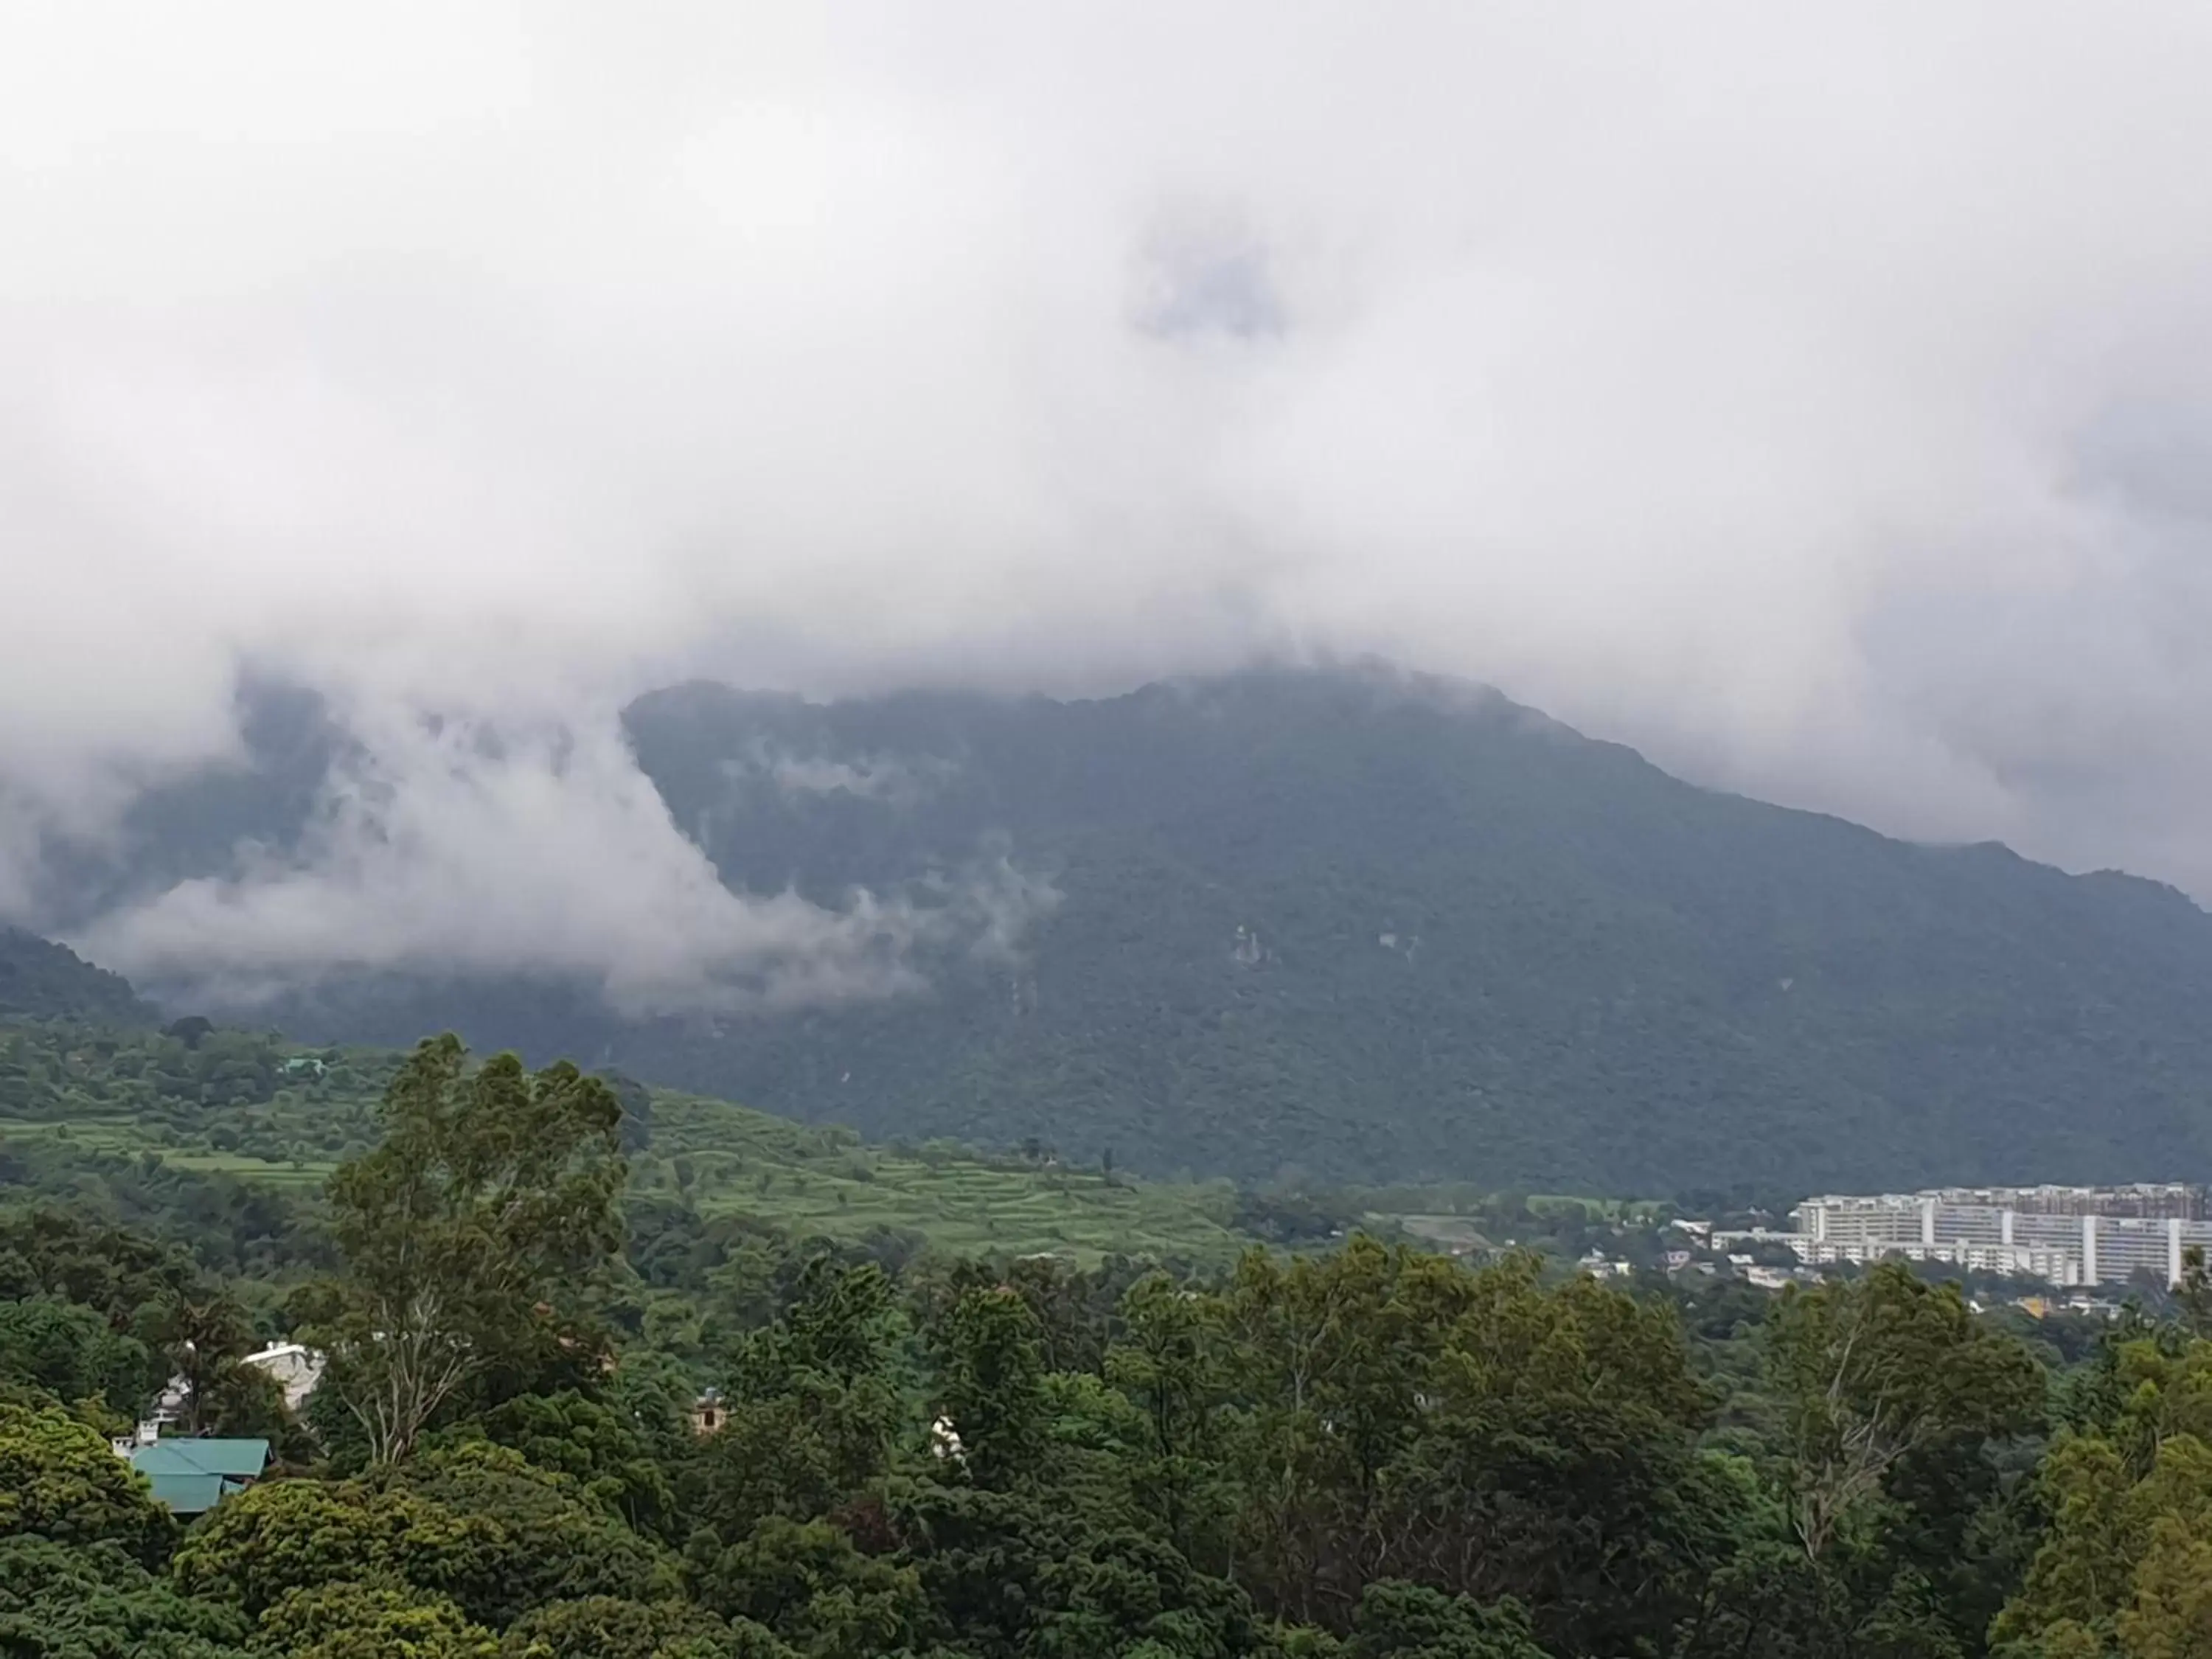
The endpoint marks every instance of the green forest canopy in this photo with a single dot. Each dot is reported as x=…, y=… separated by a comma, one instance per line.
x=1370, y=1452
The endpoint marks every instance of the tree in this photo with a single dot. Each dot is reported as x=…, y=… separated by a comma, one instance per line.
x=1876, y=1370
x=592, y=1445
x=1478, y=1432
x=2193, y=1295
x=636, y=1103
x=1169, y=1365
x=813, y=1410
x=520, y=1536
x=191, y=1030
x=608, y=1628
x=120, y=1275
x=2172, y=1618
x=489, y=1200
x=72, y=1353
x=2083, y=1573
x=990, y=1378
x=61, y=1602
x=365, y=1619
x=1398, y=1621
x=1011, y=1574
x=260, y=1544
x=203, y=1337
x=2126, y=1566
x=60, y=1480
x=475, y=1524
x=807, y=1583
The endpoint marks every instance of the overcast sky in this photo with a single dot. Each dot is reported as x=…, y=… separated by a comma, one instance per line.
x=1820, y=397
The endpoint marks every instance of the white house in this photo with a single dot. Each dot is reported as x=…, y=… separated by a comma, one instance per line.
x=297, y=1367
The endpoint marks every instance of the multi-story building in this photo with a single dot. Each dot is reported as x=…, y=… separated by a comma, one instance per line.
x=2067, y=1235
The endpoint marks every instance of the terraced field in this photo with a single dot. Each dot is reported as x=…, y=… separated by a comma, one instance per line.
x=124, y=1138
x=727, y=1158
x=721, y=1157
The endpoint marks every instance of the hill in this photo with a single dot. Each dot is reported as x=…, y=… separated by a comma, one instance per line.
x=1375, y=928
x=93, y=1115
x=40, y=980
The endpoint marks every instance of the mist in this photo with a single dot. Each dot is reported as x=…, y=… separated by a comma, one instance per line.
x=1821, y=403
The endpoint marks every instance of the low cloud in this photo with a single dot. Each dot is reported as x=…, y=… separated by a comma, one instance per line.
x=444, y=847
x=898, y=779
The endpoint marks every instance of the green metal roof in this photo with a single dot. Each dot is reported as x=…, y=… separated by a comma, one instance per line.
x=237, y=1459
x=191, y=1494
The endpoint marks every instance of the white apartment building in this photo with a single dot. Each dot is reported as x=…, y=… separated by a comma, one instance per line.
x=2070, y=1236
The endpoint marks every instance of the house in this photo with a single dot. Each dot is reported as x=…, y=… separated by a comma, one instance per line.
x=297, y=1367
x=707, y=1413
x=148, y=1432
x=304, y=1066
x=169, y=1405
x=192, y=1476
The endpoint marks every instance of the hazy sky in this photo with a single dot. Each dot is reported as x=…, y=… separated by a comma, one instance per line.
x=1820, y=397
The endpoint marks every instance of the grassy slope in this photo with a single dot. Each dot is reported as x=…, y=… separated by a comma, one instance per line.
x=824, y=1180
x=88, y=1092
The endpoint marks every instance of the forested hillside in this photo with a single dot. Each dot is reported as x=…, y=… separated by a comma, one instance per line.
x=970, y=1407
x=1370, y=928
x=223, y=1138
x=40, y=980
x=1367, y=1453
x=1367, y=928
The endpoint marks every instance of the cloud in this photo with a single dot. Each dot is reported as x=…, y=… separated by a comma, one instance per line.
x=895, y=778
x=1819, y=400
x=442, y=846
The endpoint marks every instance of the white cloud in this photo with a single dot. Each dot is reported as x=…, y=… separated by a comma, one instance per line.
x=895, y=778
x=447, y=848
x=1813, y=397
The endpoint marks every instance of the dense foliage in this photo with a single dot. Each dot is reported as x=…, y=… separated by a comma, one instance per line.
x=1369, y=1452
x=217, y=1137
x=40, y=979
x=1369, y=931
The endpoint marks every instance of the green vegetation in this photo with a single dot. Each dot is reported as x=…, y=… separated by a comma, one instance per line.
x=824, y=1180
x=1371, y=1453
x=2126, y=1566
x=1331, y=927
x=490, y=1191
x=1021, y=1406
x=40, y=980
x=83, y=1108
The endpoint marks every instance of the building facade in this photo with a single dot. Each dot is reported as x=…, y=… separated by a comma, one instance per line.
x=297, y=1367
x=2071, y=1236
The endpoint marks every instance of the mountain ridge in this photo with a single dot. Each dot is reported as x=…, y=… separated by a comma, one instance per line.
x=41, y=978
x=1361, y=925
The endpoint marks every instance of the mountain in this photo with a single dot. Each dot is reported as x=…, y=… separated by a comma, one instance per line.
x=1367, y=926
x=40, y=980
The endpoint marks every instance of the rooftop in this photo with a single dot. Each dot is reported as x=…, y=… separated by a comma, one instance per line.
x=190, y=1476
x=191, y=1494
x=237, y=1459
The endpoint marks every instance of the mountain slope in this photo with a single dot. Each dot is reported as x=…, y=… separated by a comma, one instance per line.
x=1471, y=942
x=1370, y=927
x=40, y=980
x=104, y=1119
